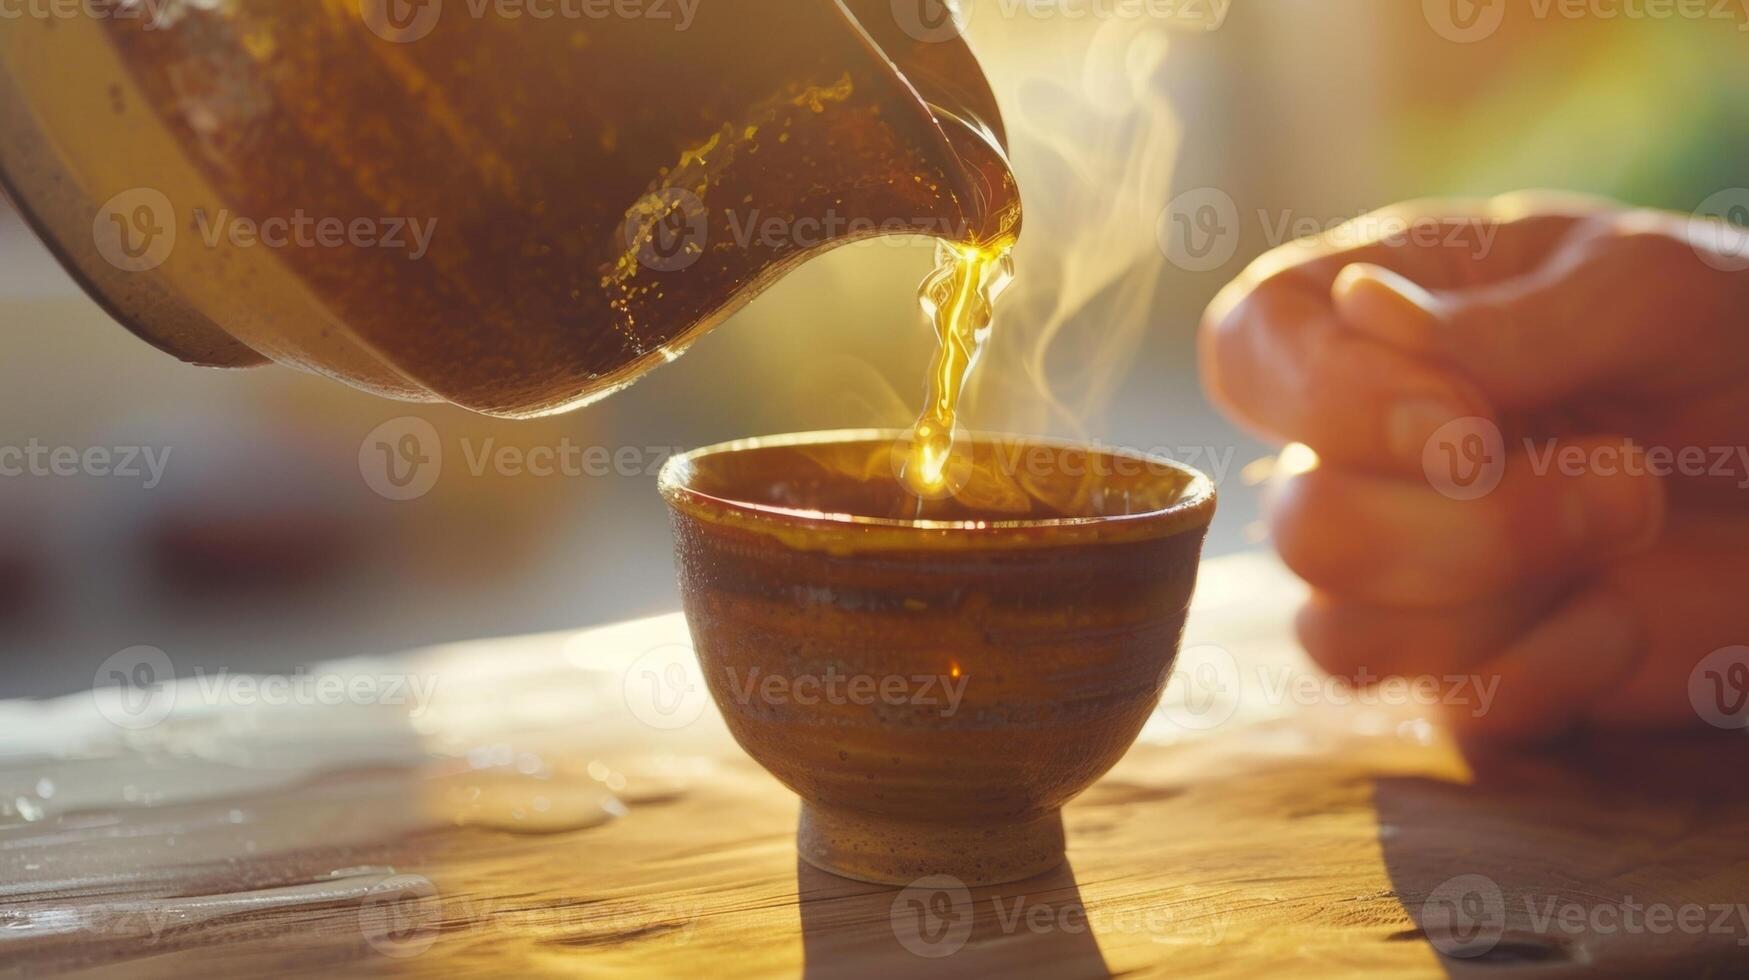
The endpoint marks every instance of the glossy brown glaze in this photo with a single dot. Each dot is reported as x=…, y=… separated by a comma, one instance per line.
x=588, y=182
x=1058, y=629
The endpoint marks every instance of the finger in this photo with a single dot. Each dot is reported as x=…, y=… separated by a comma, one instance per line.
x=1363, y=642
x=1388, y=307
x=1281, y=363
x=1395, y=543
x=1276, y=357
x=1688, y=591
x=1621, y=303
x=1550, y=679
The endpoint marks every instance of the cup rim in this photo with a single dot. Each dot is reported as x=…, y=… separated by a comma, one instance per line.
x=1194, y=508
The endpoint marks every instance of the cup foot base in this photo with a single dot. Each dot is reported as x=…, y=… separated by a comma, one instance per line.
x=869, y=848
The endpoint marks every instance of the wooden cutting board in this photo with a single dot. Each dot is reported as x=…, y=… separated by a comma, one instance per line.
x=571, y=803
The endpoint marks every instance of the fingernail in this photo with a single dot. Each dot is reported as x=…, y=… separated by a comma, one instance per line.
x=1617, y=514
x=1413, y=422
x=1380, y=302
x=1363, y=275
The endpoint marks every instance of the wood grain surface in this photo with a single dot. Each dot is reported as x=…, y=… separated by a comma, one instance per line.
x=572, y=804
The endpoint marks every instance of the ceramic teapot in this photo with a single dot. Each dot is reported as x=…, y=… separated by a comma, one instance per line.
x=517, y=206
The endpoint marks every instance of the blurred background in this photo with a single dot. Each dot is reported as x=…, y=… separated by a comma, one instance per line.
x=263, y=545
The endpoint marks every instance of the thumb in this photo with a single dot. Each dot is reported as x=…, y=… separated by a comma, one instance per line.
x=1528, y=342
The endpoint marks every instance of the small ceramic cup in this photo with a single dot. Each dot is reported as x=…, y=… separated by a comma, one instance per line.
x=934, y=680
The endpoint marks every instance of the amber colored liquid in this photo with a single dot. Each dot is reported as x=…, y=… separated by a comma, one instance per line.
x=959, y=299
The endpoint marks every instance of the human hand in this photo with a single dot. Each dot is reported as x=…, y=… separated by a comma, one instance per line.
x=1531, y=424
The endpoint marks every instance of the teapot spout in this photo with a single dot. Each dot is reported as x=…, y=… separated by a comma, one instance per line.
x=941, y=68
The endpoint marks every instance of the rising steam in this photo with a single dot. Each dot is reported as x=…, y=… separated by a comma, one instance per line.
x=1092, y=139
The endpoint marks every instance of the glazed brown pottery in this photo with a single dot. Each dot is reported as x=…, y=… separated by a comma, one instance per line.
x=934, y=689
x=521, y=213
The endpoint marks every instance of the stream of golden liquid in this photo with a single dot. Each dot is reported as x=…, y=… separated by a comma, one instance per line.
x=959, y=299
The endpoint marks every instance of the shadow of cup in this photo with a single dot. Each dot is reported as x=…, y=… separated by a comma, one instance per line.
x=938, y=927
x=934, y=679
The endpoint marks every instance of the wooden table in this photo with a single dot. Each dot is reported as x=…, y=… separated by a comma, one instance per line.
x=572, y=803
